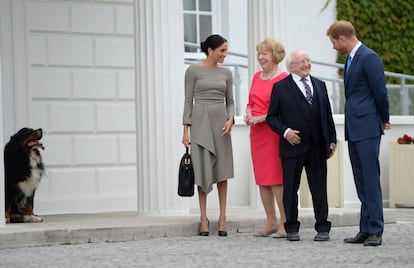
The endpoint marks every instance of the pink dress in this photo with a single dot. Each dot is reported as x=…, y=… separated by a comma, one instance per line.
x=264, y=141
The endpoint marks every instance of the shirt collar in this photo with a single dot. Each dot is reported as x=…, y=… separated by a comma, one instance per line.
x=354, y=50
x=297, y=78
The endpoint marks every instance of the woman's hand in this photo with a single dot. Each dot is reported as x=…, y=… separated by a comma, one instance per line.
x=247, y=119
x=257, y=120
x=186, y=137
x=227, y=126
x=247, y=116
x=253, y=120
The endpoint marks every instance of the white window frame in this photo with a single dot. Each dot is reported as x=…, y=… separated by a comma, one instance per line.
x=215, y=20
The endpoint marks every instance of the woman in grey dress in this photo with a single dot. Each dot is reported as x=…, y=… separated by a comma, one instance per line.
x=209, y=114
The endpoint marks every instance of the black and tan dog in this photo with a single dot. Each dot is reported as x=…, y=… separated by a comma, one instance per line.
x=23, y=171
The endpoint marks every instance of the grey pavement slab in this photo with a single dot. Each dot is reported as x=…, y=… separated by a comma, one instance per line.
x=128, y=226
x=236, y=250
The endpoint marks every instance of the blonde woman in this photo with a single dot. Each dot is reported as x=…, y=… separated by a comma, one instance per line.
x=264, y=141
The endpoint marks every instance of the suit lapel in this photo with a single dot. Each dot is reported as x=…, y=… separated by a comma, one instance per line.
x=317, y=93
x=315, y=89
x=353, y=64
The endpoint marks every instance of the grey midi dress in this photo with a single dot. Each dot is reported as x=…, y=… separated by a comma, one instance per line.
x=208, y=105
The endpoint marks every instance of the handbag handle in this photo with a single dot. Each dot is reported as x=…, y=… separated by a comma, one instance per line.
x=186, y=149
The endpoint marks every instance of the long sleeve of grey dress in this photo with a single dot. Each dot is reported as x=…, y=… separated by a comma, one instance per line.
x=208, y=105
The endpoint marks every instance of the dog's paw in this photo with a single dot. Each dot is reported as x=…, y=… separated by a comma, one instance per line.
x=32, y=218
x=16, y=218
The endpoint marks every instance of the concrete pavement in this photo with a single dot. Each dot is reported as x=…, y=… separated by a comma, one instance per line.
x=128, y=226
x=172, y=241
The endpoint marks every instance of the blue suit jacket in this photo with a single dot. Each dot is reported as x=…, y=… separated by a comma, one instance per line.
x=286, y=111
x=366, y=106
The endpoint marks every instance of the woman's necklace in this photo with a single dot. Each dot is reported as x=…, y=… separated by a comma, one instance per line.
x=268, y=77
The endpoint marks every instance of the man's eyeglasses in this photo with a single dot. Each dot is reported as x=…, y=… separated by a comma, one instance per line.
x=302, y=62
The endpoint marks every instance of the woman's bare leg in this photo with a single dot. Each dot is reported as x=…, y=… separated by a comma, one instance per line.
x=222, y=194
x=278, y=191
x=202, y=200
x=268, y=200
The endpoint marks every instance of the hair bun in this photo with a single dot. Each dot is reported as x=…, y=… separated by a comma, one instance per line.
x=213, y=42
x=202, y=46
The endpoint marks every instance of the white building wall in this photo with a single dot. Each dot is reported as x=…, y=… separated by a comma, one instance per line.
x=160, y=97
x=68, y=67
x=2, y=201
x=79, y=73
x=304, y=27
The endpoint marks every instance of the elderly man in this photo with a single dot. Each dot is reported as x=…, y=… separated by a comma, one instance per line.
x=300, y=112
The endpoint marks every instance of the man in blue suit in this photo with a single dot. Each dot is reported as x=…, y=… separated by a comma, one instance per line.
x=300, y=112
x=366, y=117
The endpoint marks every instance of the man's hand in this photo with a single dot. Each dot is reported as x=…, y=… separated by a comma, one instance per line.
x=293, y=137
x=332, y=149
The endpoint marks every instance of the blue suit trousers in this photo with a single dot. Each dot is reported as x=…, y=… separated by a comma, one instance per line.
x=364, y=156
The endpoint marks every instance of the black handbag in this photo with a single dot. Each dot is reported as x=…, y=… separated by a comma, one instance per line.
x=186, y=176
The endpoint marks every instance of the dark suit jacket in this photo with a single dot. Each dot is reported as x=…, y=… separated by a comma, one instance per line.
x=286, y=111
x=366, y=106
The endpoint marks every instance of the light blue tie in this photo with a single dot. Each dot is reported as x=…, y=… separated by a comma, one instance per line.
x=348, y=63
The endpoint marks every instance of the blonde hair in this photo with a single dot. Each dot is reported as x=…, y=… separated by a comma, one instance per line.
x=277, y=48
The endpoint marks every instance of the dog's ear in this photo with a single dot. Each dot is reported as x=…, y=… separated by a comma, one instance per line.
x=23, y=132
x=17, y=140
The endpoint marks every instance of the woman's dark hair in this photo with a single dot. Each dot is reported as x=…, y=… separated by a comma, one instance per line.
x=213, y=42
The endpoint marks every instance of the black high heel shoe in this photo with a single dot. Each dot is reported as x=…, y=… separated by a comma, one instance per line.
x=222, y=232
x=205, y=233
